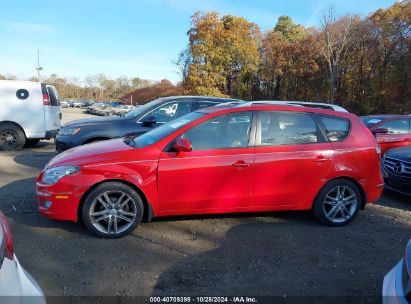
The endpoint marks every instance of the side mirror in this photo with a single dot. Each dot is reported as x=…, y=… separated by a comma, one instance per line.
x=182, y=145
x=380, y=131
x=149, y=120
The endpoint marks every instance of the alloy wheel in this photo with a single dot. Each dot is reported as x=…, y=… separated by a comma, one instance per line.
x=340, y=204
x=113, y=212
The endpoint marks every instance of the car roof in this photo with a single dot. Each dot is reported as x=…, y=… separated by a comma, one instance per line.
x=273, y=107
x=210, y=98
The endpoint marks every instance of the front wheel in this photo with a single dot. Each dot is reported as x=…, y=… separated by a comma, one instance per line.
x=338, y=203
x=112, y=210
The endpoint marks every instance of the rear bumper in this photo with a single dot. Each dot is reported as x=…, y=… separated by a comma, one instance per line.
x=51, y=134
x=19, y=286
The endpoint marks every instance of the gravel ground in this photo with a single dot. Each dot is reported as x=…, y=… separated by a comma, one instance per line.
x=285, y=254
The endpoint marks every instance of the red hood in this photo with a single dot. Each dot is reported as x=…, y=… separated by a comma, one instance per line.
x=98, y=152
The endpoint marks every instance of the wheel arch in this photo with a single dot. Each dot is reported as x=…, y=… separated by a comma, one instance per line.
x=355, y=182
x=3, y=122
x=148, y=209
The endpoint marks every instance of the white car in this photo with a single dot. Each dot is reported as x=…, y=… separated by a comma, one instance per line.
x=123, y=109
x=16, y=284
x=396, y=288
x=77, y=104
x=29, y=112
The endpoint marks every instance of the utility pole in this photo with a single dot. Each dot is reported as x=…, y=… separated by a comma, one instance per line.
x=39, y=68
x=131, y=98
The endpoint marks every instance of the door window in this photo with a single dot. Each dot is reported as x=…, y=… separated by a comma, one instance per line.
x=287, y=128
x=398, y=126
x=227, y=131
x=335, y=128
x=171, y=111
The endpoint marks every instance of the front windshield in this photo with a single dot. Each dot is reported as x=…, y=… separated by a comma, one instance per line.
x=143, y=108
x=159, y=133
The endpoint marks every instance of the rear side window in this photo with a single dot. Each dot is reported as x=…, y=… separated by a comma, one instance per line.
x=398, y=126
x=53, y=96
x=287, y=128
x=336, y=128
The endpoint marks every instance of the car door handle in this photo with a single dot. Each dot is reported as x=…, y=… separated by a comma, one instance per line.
x=241, y=164
x=321, y=159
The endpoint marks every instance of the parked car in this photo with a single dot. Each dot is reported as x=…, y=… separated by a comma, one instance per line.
x=122, y=110
x=218, y=160
x=397, y=283
x=94, y=108
x=29, y=112
x=391, y=131
x=138, y=121
x=16, y=284
x=64, y=104
x=85, y=103
x=397, y=170
x=77, y=103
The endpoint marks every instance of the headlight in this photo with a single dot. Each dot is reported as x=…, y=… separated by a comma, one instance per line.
x=69, y=131
x=53, y=175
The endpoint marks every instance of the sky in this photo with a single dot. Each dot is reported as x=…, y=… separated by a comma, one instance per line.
x=134, y=38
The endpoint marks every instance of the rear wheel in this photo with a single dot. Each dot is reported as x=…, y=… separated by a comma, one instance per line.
x=337, y=203
x=112, y=210
x=11, y=137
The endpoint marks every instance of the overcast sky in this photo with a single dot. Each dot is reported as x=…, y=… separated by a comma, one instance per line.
x=130, y=37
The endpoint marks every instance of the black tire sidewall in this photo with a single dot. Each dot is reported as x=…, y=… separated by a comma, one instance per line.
x=111, y=186
x=20, y=137
x=318, y=209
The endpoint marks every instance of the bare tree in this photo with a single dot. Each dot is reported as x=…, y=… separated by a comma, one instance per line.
x=336, y=42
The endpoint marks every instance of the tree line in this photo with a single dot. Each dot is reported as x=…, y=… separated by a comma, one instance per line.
x=363, y=64
x=97, y=87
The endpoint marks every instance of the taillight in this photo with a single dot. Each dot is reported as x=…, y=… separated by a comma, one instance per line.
x=6, y=243
x=46, y=99
x=406, y=272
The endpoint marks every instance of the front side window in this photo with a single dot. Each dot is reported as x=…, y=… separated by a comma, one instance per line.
x=287, y=128
x=171, y=111
x=335, y=128
x=226, y=131
x=398, y=126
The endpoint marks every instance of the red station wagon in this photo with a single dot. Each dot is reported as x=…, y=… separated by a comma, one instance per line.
x=247, y=158
x=391, y=131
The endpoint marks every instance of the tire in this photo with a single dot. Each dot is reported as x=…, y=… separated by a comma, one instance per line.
x=32, y=142
x=105, y=217
x=12, y=137
x=337, y=203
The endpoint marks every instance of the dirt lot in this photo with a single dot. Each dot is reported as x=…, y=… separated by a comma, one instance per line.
x=280, y=254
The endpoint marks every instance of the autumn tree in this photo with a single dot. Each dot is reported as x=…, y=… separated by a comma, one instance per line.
x=223, y=55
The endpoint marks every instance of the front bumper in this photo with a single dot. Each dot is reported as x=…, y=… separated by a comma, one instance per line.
x=59, y=202
x=64, y=143
x=392, y=290
x=401, y=184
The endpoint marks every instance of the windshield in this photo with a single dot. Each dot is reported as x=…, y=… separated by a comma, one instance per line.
x=143, y=108
x=159, y=133
x=370, y=121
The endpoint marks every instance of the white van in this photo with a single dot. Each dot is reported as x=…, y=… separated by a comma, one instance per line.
x=29, y=111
